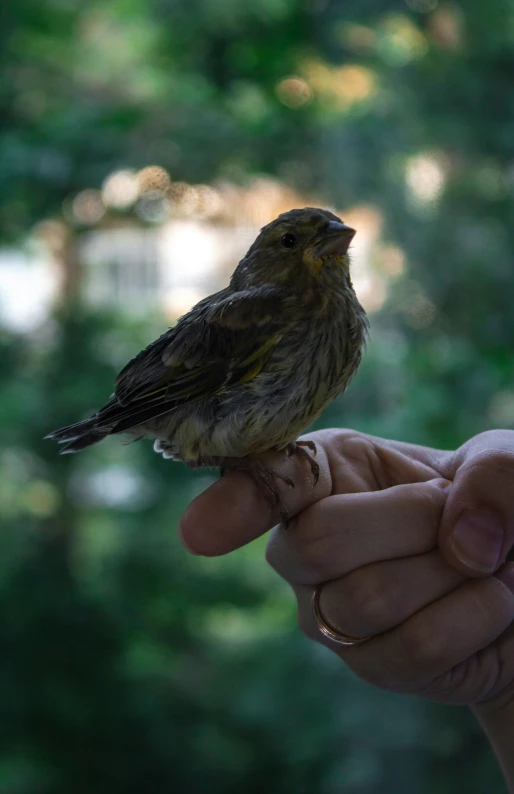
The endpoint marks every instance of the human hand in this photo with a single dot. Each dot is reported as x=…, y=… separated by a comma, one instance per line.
x=400, y=534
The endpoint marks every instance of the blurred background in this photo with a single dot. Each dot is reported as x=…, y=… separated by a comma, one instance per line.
x=142, y=145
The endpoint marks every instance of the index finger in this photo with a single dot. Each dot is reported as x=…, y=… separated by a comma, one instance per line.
x=234, y=511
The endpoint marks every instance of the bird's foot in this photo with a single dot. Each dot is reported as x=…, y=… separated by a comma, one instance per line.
x=264, y=476
x=299, y=448
x=164, y=448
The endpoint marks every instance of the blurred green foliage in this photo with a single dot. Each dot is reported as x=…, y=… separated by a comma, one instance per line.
x=127, y=665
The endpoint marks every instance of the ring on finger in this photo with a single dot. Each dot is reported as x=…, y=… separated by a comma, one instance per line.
x=329, y=631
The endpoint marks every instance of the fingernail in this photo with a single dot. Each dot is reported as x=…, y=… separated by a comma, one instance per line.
x=477, y=540
x=506, y=575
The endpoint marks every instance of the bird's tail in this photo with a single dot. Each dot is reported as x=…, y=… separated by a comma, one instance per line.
x=112, y=418
x=79, y=436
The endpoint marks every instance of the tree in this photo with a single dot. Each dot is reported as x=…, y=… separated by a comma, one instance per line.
x=125, y=660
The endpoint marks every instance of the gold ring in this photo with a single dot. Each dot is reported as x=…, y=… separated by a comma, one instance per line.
x=329, y=631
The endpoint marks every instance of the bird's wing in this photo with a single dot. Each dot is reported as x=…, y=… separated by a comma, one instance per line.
x=224, y=341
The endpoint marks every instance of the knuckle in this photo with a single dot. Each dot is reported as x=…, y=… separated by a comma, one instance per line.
x=492, y=460
x=356, y=447
x=299, y=557
x=494, y=439
x=371, y=600
x=345, y=434
x=312, y=556
x=432, y=501
x=422, y=646
x=309, y=554
x=301, y=553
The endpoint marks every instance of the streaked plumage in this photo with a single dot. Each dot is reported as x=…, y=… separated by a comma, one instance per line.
x=250, y=367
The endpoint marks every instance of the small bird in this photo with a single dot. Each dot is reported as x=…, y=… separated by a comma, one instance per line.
x=250, y=367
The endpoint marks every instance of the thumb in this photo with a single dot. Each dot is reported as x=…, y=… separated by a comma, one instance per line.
x=477, y=526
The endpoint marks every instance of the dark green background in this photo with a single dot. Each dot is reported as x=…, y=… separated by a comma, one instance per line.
x=125, y=664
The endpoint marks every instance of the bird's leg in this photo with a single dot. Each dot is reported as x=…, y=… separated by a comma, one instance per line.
x=264, y=476
x=298, y=448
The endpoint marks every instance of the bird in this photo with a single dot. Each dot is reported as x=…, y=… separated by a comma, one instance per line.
x=250, y=367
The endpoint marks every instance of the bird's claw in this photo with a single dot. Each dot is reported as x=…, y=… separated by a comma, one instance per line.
x=309, y=444
x=298, y=448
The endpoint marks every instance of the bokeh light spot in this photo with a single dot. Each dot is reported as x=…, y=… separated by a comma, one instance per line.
x=87, y=207
x=401, y=40
x=425, y=177
x=153, y=206
x=391, y=259
x=341, y=87
x=293, y=92
x=420, y=312
x=153, y=177
x=121, y=189
x=41, y=498
x=359, y=37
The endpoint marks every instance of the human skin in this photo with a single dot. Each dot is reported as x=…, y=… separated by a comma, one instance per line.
x=410, y=544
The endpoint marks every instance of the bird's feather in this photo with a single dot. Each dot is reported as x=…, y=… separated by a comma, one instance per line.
x=219, y=344
x=216, y=346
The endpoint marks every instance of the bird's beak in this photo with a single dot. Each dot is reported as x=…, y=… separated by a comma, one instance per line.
x=335, y=240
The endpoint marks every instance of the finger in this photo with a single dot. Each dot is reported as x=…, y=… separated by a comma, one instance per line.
x=367, y=463
x=380, y=596
x=234, y=511
x=414, y=656
x=341, y=533
x=477, y=528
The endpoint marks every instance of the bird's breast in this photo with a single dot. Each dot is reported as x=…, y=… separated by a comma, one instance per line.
x=309, y=367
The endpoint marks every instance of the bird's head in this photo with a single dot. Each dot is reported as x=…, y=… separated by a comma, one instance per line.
x=306, y=246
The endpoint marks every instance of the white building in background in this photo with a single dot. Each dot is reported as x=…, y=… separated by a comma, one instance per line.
x=28, y=288
x=196, y=237
x=199, y=234
x=170, y=267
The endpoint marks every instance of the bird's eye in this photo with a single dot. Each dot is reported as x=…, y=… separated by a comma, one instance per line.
x=288, y=240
